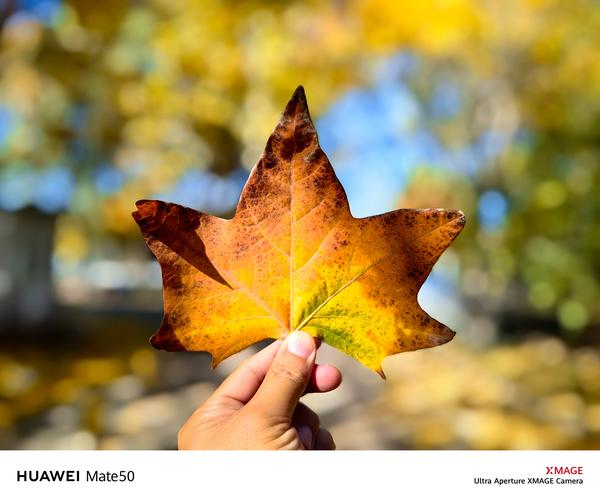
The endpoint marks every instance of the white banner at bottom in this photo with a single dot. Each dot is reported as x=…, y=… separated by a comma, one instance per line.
x=300, y=476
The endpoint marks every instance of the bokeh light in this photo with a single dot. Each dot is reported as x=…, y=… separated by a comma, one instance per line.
x=489, y=107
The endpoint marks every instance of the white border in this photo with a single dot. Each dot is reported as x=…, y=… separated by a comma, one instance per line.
x=302, y=476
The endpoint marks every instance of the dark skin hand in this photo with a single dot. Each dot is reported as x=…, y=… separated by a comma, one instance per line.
x=257, y=407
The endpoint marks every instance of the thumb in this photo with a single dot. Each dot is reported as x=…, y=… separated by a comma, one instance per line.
x=287, y=376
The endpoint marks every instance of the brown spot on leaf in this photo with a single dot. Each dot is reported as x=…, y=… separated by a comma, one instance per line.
x=165, y=338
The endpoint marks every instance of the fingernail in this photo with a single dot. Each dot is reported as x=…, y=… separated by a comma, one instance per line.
x=305, y=434
x=300, y=344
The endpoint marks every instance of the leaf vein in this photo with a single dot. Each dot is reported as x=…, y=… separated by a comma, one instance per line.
x=340, y=289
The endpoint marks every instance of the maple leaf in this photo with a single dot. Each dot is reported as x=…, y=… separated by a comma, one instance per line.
x=293, y=257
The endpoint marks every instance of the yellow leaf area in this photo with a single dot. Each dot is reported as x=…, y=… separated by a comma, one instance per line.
x=293, y=257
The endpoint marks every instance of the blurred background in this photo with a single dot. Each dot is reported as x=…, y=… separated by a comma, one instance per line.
x=489, y=106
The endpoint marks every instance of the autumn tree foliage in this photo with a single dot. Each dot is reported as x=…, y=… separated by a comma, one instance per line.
x=118, y=103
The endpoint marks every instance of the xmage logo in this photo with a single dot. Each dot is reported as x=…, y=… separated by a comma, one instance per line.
x=577, y=470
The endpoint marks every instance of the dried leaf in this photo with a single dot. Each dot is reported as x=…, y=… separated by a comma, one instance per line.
x=293, y=257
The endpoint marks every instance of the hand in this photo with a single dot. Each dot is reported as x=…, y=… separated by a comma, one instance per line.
x=257, y=406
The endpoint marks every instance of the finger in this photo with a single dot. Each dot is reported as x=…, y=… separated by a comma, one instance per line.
x=287, y=377
x=324, y=378
x=324, y=440
x=243, y=383
x=306, y=422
